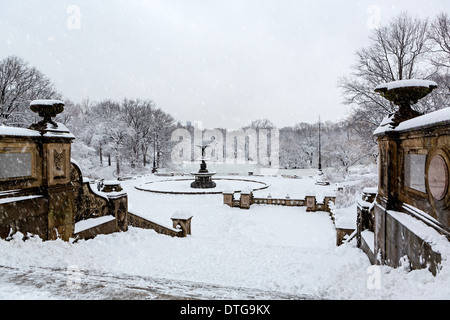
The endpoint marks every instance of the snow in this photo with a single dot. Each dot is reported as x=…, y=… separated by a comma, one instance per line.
x=45, y=102
x=90, y=223
x=438, y=242
x=182, y=215
x=437, y=118
x=372, y=190
x=407, y=83
x=369, y=238
x=16, y=199
x=9, y=291
x=345, y=218
x=58, y=131
x=19, y=132
x=273, y=248
x=51, y=131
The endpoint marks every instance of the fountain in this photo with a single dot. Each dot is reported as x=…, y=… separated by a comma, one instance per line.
x=203, y=178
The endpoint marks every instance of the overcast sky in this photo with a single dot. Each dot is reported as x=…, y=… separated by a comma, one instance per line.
x=222, y=62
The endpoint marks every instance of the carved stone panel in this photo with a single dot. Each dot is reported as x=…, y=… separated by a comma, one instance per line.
x=15, y=165
x=20, y=165
x=58, y=163
x=415, y=171
x=438, y=177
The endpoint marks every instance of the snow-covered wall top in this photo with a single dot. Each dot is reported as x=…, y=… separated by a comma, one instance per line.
x=19, y=132
x=51, y=131
x=436, y=118
x=407, y=83
x=59, y=131
x=45, y=102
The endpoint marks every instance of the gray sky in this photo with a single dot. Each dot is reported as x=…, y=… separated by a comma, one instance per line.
x=223, y=62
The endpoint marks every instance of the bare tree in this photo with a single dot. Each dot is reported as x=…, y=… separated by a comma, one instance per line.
x=162, y=126
x=440, y=35
x=138, y=116
x=397, y=51
x=19, y=85
x=260, y=124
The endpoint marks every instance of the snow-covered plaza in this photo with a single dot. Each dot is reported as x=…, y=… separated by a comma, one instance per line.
x=284, y=251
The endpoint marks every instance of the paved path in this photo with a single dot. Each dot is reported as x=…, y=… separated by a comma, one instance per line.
x=75, y=284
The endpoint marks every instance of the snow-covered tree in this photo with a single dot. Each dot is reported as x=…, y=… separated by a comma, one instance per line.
x=19, y=85
x=397, y=51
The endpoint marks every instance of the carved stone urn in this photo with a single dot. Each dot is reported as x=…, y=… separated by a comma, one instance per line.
x=404, y=93
x=46, y=109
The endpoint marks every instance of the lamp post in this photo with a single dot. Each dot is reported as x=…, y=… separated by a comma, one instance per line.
x=154, y=170
x=320, y=151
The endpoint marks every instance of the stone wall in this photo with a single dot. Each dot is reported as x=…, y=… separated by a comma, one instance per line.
x=247, y=199
x=104, y=228
x=395, y=240
x=139, y=222
x=413, y=184
x=41, y=191
x=36, y=164
x=16, y=216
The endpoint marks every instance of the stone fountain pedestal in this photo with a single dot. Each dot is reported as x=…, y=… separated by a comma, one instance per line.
x=203, y=178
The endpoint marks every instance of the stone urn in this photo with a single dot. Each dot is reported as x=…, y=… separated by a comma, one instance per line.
x=404, y=93
x=46, y=109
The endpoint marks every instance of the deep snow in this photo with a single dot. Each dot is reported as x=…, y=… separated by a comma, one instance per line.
x=280, y=249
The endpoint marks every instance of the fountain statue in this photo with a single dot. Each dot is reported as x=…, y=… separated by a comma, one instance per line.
x=203, y=178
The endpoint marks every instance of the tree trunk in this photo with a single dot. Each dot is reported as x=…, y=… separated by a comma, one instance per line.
x=101, y=155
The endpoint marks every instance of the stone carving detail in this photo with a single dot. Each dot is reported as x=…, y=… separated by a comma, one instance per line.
x=438, y=177
x=76, y=181
x=59, y=160
x=88, y=204
x=383, y=167
x=122, y=217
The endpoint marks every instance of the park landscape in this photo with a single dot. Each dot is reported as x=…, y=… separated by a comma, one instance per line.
x=159, y=177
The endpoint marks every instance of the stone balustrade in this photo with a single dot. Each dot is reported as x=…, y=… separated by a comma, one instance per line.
x=247, y=199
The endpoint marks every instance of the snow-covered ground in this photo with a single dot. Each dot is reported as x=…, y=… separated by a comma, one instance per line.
x=283, y=250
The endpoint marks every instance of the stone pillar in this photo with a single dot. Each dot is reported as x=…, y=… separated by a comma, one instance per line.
x=228, y=198
x=118, y=204
x=61, y=224
x=119, y=210
x=184, y=220
x=310, y=203
x=288, y=200
x=54, y=148
x=246, y=198
x=57, y=187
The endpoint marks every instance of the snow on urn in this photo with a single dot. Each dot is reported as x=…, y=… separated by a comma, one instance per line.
x=404, y=93
x=46, y=109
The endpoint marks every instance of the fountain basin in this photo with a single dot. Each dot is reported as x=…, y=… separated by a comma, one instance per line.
x=182, y=187
x=203, y=180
